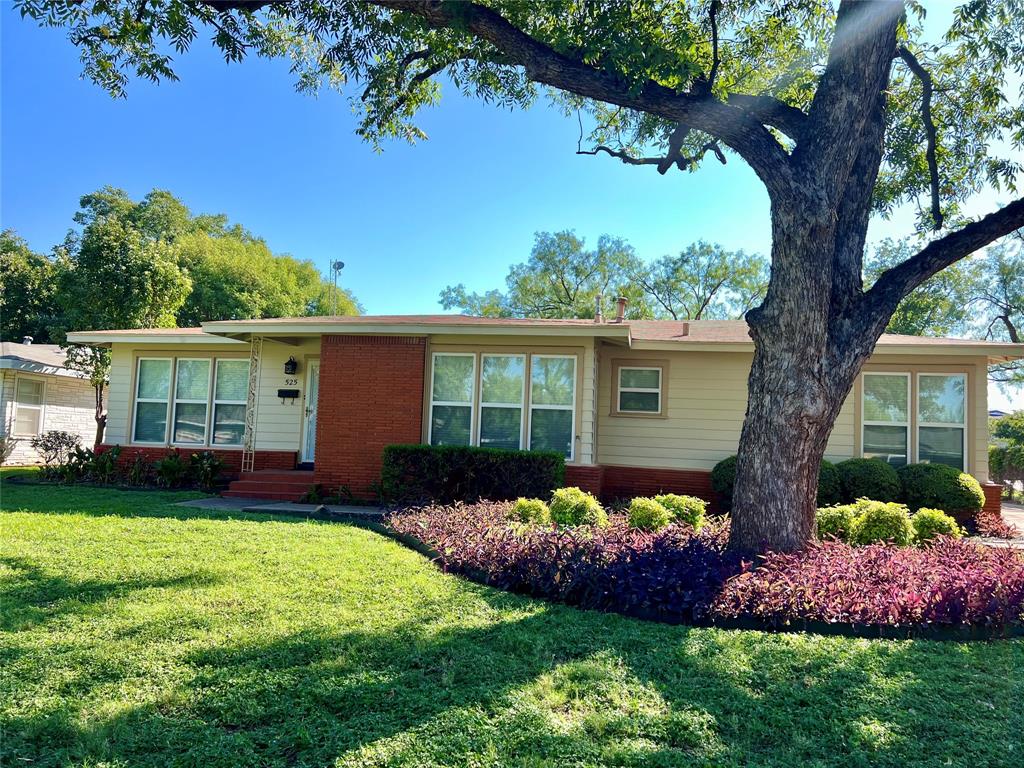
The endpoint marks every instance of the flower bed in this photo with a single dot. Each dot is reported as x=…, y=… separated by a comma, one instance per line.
x=678, y=574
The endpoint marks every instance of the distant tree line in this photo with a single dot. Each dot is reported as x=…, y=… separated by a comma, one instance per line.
x=977, y=297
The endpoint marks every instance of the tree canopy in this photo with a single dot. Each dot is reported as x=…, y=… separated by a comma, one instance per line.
x=562, y=278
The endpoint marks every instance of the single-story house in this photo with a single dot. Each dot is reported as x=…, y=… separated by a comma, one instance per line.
x=636, y=406
x=39, y=394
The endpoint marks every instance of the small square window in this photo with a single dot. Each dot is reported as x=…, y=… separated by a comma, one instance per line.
x=639, y=390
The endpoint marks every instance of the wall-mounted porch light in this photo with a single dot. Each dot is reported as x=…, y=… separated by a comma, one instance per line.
x=291, y=367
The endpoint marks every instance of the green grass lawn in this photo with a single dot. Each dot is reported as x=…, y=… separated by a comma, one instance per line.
x=134, y=632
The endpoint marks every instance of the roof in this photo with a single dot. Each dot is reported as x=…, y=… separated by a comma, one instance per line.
x=649, y=334
x=47, y=359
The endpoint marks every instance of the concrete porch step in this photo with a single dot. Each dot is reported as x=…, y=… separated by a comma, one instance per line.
x=272, y=484
x=262, y=494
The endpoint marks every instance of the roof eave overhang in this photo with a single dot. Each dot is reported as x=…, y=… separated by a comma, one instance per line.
x=291, y=331
x=997, y=353
x=99, y=339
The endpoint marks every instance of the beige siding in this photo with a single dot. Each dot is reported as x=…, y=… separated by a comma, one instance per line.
x=706, y=401
x=279, y=425
x=68, y=406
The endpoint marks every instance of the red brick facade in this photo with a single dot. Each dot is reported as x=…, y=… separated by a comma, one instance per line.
x=232, y=457
x=616, y=482
x=993, y=497
x=371, y=396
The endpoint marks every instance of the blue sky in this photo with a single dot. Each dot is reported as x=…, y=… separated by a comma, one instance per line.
x=237, y=139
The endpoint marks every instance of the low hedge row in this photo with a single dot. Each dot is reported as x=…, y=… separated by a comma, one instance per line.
x=935, y=486
x=447, y=474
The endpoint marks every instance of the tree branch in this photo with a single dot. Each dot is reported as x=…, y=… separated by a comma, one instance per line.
x=896, y=283
x=925, y=77
x=682, y=161
x=771, y=111
x=729, y=123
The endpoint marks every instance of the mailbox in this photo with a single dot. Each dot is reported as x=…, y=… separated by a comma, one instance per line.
x=288, y=394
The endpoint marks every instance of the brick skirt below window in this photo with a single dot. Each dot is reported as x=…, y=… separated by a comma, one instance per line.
x=615, y=482
x=232, y=457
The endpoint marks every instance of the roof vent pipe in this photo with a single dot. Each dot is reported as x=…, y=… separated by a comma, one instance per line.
x=27, y=339
x=620, y=308
x=598, y=301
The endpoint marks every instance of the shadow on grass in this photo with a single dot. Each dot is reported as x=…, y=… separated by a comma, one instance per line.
x=555, y=687
x=30, y=596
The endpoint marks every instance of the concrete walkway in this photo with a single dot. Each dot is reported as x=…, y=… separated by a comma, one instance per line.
x=262, y=506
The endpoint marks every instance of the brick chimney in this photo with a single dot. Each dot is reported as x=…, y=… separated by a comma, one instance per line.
x=620, y=308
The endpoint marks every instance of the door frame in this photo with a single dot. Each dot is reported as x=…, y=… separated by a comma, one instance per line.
x=307, y=452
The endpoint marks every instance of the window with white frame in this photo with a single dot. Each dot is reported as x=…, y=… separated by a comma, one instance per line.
x=886, y=417
x=553, y=403
x=941, y=418
x=152, y=399
x=451, y=398
x=639, y=389
x=502, y=389
x=28, y=406
x=191, y=401
x=230, y=387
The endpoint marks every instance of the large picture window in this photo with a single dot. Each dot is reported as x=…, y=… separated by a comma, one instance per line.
x=553, y=403
x=886, y=421
x=190, y=401
x=451, y=399
x=28, y=406
x=941, y=418
x=502, y=388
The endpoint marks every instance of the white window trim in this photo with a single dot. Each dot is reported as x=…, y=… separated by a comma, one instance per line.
x=549, y=407
x=873, y=423
x=472, y=395
x=167, y=402
x=215, y=402
x=191, y=401
x=41, y=408
x=648, y=390
x=521, y=405
x=962, y=427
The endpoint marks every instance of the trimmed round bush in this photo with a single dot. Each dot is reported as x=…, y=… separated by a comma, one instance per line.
x=929, y=523
x=530, y=511
x=684, y=509
x=879, y=522
x=723, y=478
x=648, y=515
x=828, y=484
x=836, y=522
x=571, y=506
x=868, y=479
x=938, y=486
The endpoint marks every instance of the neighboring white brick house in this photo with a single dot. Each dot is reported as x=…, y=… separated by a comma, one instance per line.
x=38, y=394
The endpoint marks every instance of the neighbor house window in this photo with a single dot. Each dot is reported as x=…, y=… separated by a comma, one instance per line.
x=451, y=399
x=639, y=390
x=191, y=399
x=941, y=418
x=553, y=403
x=152, y=393
x=230, y=388
x=502, y=388
x=28, y=406
x=886, y=417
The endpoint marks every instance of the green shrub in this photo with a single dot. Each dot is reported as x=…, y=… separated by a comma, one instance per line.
x=171, y=470
x=571, y=506
x=530, y=511
x=879, y=521
x=828, y=484
x=929, y=523
x=648, y=515
x=939, y=486
x=835, y=522
x=446, y=474
x=684, y=509
x=723, y=479
x=206, y=468
x=868, y=479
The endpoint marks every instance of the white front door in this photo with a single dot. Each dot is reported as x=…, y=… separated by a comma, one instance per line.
x=309, y=414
